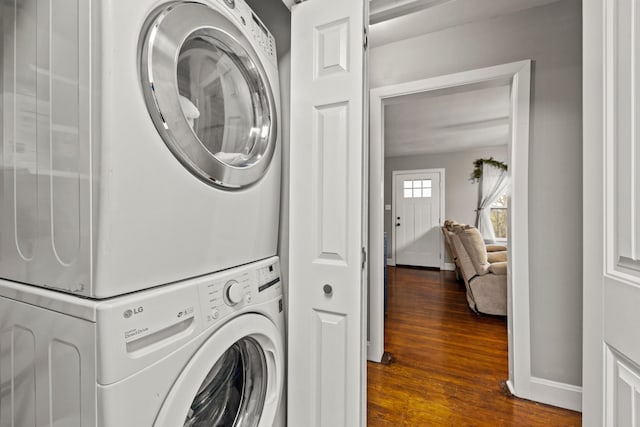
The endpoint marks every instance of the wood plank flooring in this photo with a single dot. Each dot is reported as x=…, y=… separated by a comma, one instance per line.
x=449, y=362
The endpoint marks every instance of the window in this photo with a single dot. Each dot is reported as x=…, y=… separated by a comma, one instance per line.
x=498, y=216
x=417, y=188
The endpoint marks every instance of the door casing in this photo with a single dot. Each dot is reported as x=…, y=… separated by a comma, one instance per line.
x=521, y=382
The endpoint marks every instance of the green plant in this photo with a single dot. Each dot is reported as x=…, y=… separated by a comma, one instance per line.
x=479, y=163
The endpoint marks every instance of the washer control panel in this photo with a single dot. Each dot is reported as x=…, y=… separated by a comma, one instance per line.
x=138, y=329
x=226, y=295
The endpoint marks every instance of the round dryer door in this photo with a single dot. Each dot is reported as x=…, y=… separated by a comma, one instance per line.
x=208, y=94
x=235, y=379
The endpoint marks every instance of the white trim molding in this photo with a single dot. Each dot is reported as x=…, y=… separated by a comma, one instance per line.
x=554, y=393
x=519, y=74
x=557, y=394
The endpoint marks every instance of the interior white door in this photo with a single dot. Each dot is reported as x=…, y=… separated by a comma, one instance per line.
x=611, y=355
x=417, y=219
x=326, y=364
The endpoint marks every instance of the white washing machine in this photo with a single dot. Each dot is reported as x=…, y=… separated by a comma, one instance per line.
x=140, y=142
x=205, y=352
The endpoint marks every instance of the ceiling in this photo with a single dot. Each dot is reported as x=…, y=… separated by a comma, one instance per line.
x=402, y=19
x=446, y=120
x=382, y=10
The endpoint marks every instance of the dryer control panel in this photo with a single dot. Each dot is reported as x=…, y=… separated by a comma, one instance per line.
x=254, y=26
x=227, y=295
x=263, y=36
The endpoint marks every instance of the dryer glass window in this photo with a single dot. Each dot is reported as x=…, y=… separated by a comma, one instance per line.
x=209, y=94
x=234, y=390
x=220, y=101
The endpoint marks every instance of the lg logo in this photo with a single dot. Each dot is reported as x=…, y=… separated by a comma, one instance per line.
x=132, y=311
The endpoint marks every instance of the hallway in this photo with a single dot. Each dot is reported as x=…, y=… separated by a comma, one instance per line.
x=449, y=363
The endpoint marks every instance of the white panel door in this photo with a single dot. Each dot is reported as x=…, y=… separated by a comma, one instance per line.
x=417, y=219
x=326, y=365
x=611, y=376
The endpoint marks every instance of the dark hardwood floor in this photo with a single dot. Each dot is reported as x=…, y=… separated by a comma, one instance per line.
x=449, y=363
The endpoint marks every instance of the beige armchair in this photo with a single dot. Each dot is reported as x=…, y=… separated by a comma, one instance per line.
x=483, y=269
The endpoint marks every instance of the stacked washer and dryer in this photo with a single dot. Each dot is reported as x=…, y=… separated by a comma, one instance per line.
x=139, y=203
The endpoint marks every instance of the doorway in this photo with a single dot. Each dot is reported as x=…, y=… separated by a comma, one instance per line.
x=417, y=210
x=518, y=76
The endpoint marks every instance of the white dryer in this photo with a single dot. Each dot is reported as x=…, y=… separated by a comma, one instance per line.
x=205, y=352
x=140, y=142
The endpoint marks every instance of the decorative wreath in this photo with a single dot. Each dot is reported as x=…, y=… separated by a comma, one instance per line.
x=477, y=167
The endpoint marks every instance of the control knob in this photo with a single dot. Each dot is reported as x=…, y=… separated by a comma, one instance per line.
x=234, y=292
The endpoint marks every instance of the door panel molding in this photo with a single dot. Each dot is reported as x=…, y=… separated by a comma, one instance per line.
x=330, y=171
x=622, y=389
x=622, y=158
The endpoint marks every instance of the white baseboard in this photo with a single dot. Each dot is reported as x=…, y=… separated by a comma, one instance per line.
x=390, y=262
x=374, y=354
x=510, y=387
x=555, y=393
x=449, y=266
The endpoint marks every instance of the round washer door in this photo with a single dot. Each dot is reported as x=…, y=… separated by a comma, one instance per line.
x=235, y=378
x=208, y=94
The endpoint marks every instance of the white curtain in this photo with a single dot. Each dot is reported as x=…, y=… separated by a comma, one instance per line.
x=493, y=184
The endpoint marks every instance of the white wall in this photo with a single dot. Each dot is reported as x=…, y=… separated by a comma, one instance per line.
x=461, y=195
x=550, y=36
